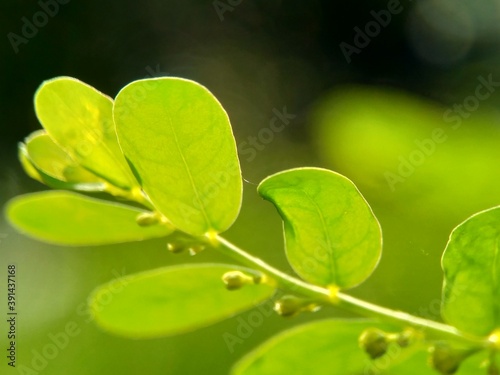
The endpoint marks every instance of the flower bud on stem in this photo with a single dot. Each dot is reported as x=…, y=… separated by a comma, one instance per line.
x=235, y=280
x=290, y=305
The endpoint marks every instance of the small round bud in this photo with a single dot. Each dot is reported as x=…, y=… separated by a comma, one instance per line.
x=196, y=249
x=290, y=305
x=445, y=359
x=404, y=338
x=147, y=218
x=175, y=248
x=179, y=241
x=374, y=342
x=403, y=341
x=235, y=280
x=287, y=306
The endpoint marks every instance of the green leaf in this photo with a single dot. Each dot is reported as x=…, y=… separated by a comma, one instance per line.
x=178, y=139
x=172, y=300
x=65, y=218
x=27, y=164
x=79, y=119
x=332, y=236
x=45, y=161
x=471, y=265
x=321, y=348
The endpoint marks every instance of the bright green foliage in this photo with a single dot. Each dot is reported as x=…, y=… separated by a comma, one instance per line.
x=79, y=119
x=65, y=218
x=166, y=145
x=172, y=300
x=178, y=139
x=332, y=236
x=45, y=161
x=471, y=265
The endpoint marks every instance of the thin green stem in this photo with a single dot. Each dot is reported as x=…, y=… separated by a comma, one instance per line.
x=432, y=329
x=283, y=280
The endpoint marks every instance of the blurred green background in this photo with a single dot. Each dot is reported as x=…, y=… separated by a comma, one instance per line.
x=401, y=97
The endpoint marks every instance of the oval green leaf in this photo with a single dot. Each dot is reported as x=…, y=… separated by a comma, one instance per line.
x=45, y=161
x=172, y=300
x=322, y=348
x=65, y=218
x=79, y=119
x=471, y=265
x=331, y=234
x=178, y=139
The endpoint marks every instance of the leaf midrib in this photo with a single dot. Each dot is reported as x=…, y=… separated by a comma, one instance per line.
x=188, y=171
x=332, y=271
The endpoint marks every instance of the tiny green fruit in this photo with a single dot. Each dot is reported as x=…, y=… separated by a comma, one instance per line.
x=445, y=359
x=374, y=342
x=291, y=305
x=235, y=280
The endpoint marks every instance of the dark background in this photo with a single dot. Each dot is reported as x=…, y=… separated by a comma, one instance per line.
x=257, y=56
x=295, y=45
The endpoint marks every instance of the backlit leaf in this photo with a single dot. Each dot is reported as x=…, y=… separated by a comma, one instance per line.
x=331, y=234
x=178, y=139
x=79, y=119
x=54, y=167
x=66, y=218
x=172, y=300
x=471, y=265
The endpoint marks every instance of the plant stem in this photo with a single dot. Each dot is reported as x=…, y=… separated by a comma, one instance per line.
x=283, y=280
x=321, y=295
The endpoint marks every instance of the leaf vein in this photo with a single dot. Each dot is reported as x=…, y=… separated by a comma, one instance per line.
x=188, y=171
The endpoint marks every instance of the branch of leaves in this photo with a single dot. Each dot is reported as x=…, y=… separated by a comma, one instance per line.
x=165, y=145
